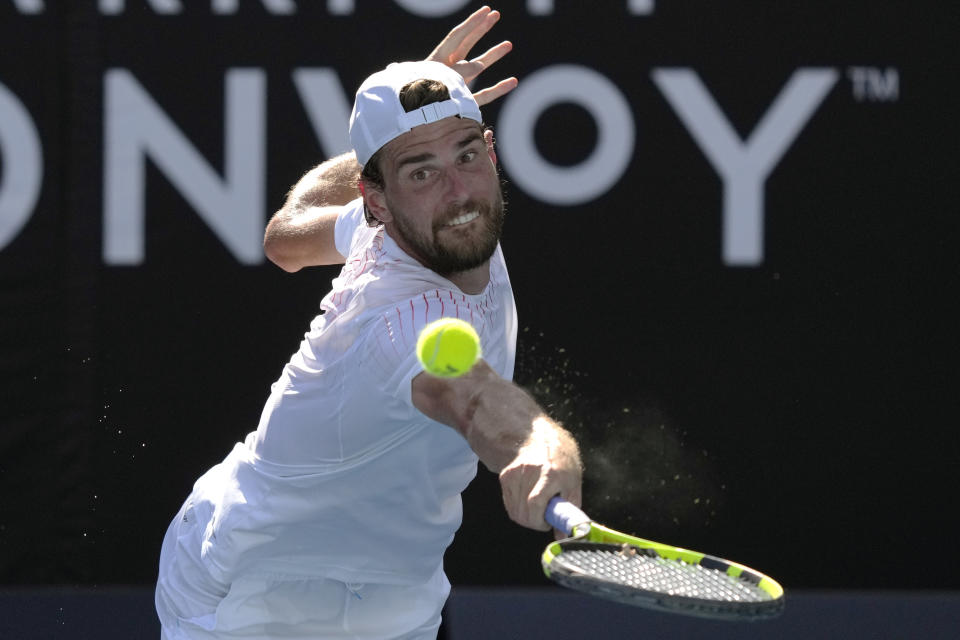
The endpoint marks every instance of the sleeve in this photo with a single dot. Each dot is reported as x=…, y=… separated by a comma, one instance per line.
x=349, y=219
x=391, y=343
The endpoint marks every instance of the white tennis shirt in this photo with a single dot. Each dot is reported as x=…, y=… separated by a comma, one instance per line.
x=344, y=477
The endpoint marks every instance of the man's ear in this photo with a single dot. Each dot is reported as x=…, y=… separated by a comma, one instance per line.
x=375, y=201
x=488, y=138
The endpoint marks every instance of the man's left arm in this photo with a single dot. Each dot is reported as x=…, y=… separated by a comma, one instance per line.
x=535, y=457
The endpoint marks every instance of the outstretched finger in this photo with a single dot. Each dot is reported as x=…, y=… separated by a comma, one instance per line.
x=470, y=70
x=502, y=88
x=464, y=36
x=493, y=54
x=473, y=36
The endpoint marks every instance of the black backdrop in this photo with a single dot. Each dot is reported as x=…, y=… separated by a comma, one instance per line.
x=795, y=409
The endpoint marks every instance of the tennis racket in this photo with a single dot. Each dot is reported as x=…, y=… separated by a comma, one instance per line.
x=612, y=565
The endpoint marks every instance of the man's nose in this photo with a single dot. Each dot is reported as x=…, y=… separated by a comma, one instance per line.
x=457, y=189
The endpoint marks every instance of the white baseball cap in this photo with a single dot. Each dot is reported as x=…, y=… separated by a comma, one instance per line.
x=378, y=117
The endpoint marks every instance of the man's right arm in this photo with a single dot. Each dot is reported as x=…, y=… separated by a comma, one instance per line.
x=301, y=233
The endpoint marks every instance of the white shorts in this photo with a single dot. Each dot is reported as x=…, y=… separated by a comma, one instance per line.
x=192, y=606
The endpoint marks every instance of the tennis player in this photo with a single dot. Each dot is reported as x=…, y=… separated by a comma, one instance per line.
x=332, y=518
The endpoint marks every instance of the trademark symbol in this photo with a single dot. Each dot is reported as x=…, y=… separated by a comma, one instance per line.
x=873, y=84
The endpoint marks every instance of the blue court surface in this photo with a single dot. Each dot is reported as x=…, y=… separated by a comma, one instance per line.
x=115, y=613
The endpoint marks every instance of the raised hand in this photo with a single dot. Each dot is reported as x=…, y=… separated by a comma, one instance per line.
x=455, y=47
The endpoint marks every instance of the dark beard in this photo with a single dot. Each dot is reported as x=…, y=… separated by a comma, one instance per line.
x=452, y=255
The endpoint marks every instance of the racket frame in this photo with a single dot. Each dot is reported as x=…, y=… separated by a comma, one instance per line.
x=591, y=532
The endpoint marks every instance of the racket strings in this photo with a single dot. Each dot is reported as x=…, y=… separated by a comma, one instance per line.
x=644, y=569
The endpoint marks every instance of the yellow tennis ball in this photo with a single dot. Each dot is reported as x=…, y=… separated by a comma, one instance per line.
x=448, y=347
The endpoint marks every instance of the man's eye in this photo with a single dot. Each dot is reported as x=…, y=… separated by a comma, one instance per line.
x=468, y=156
x=419, y=175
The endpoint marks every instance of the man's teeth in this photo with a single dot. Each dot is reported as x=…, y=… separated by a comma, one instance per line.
x=465, y=218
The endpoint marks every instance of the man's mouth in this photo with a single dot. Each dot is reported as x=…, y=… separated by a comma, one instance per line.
x=463, y=219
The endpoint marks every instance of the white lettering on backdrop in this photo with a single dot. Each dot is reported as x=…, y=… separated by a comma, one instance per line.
x=232, y=203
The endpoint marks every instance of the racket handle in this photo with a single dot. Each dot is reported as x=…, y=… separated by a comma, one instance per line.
x=564, y=516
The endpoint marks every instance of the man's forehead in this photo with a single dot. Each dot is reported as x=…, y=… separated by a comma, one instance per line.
x=449, y=131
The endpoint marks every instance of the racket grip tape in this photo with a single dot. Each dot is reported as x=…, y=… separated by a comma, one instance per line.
x=564, y=516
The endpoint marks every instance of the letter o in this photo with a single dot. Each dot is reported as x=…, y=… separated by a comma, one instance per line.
x=615, y=134
x=432, y=8
x=22, y=166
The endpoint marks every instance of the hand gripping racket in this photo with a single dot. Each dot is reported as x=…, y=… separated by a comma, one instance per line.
x=612, y=565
